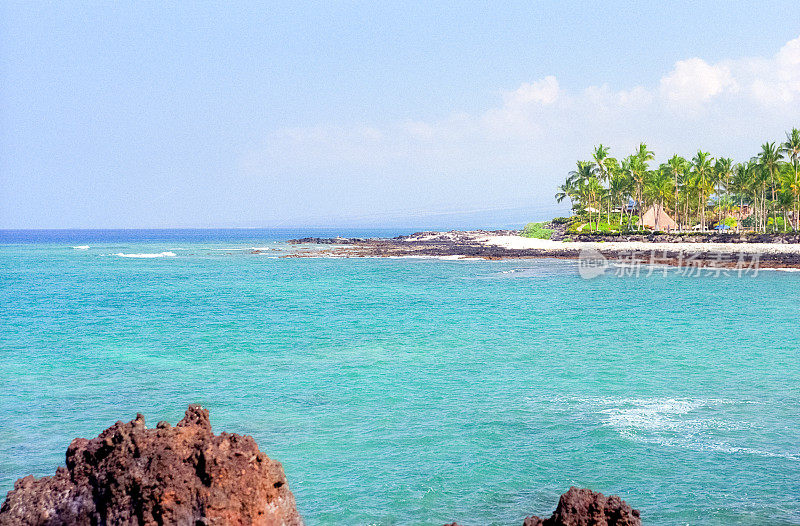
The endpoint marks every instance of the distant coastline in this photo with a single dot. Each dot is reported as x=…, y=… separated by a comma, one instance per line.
x=724, y=250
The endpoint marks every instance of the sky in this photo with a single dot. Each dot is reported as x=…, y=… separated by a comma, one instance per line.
x=303, y=114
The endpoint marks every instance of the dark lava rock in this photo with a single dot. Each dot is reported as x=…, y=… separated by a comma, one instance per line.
x=584, y=507
x=326, y=241
x=168, y=475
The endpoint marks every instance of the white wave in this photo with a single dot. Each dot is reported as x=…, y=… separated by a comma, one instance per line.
x=686, y=423
x=655, y=414
x=81, y=247
x=780, y=269
x=147, y=256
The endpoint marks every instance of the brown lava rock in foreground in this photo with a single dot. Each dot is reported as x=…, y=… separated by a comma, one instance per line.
x=186, y=475
x=169, y=475
x=584, y=507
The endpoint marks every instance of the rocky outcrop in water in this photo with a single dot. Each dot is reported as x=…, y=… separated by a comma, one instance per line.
x=584, y=507
x=326, y=241
x=187, y=475
x=167, y=475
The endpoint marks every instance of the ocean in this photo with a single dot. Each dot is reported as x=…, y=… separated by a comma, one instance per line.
x=412, y=391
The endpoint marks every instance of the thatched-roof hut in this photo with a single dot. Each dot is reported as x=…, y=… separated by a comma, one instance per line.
x=656, y=218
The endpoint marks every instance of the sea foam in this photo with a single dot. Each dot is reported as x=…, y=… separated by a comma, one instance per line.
x=683, y=423
x=81, y=247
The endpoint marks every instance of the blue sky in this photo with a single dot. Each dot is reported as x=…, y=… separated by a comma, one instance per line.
x=355, y=114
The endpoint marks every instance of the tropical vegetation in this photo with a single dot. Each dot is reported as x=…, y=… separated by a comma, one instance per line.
x=537, y=231
x=699, y=193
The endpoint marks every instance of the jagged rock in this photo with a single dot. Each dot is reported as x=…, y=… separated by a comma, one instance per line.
x=167, y=475
x=584, y=507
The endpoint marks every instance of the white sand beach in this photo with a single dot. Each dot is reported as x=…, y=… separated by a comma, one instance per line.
x=514, y=242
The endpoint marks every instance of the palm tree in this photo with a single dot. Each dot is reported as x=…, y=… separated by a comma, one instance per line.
x=580, y=179
x=619, y=187
x=687, y=194
x=599, y=157
x=640, y=166
x=677, y=167
x=792, y=145
x=770, y=158
x=595, y=192
x=790, y=190
x=759, y=184
x=792, y=150
x=768, y=183
x=703, y=177
x=658, y=189
x=602, y=162
x=566, y=191
x=644, y=154
x=724, y=171
x=741, y=185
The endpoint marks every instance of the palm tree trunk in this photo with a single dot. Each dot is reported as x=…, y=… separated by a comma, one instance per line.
x=677, y=216
x=796, y=219
x=739, y=221
x=772, y=203
x=686, y=208
x=702, y=212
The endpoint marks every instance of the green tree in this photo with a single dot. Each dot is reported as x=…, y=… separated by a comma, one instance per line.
x=768, y=185
x=724, y=172
x=659, y=187
x=677, y=167
x=770, y=160
x=792, y=150
x=619, y=189
x=741, y=186
x=703, y=178
x=566, y=191
x=789, y=192
x=604, y=165
x=581, y=179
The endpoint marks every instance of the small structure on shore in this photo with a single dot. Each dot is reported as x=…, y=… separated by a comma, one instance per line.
x=656, y=218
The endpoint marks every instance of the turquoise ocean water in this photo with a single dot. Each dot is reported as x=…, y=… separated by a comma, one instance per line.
x=412, y=391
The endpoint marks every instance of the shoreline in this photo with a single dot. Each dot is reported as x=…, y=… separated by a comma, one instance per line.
x=508, y=244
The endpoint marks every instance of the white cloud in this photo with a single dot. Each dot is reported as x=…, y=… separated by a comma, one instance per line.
x=520, y=149
x=777, y=82
x=543, y=91
x=694, y=81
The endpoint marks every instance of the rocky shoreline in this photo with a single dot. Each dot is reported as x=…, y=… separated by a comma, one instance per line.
x=188, y=475
x=716, y=250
